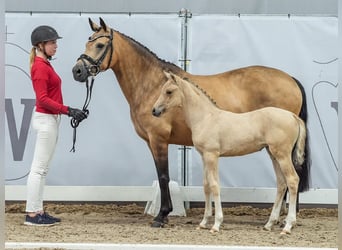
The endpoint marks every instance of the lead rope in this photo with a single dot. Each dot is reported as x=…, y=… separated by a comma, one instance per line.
x=74, y=122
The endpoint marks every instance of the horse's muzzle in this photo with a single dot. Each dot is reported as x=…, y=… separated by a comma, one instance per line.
x=156, y=112
x=80, y=72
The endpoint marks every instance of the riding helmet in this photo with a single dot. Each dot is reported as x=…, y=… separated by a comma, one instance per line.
x=43, y=33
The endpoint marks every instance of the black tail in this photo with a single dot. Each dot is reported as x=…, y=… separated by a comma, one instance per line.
x=304, y=171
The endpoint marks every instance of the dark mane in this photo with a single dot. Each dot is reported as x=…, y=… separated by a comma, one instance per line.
x=146, y=52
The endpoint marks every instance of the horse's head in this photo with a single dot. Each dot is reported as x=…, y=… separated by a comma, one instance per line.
x=170, y=95
x=98, y=54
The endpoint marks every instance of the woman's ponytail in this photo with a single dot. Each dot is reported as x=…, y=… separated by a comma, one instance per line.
x=32, y=56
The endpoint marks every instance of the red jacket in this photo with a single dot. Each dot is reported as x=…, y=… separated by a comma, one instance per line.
x=48, y=88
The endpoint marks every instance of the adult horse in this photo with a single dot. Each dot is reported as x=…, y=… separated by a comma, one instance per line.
x=221, y=133
x=140, y=75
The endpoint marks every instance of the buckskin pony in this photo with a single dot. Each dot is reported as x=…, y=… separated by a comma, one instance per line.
x=221, y=133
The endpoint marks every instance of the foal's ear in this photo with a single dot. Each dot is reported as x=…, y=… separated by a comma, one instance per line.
x=94, y=27
x=103, y=25
x=170, y=76
x=174, y=77
x=167, y=74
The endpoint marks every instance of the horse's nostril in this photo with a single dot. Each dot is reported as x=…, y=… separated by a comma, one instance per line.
x=156, y=112
x=77, y=71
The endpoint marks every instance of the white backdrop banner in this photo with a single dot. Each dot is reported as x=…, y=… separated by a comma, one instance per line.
x=108, y=150
x=304, y=47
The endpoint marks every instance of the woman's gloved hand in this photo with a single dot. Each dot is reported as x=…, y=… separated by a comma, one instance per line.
x=77, y=114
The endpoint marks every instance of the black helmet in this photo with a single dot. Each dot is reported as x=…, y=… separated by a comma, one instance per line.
x=43, y=33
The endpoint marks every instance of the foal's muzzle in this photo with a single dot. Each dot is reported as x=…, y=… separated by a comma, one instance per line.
x=157, y=112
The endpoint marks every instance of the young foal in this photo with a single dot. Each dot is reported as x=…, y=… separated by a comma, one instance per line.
x=216, y=133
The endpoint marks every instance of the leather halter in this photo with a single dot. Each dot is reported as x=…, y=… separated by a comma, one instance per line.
x=93, y=68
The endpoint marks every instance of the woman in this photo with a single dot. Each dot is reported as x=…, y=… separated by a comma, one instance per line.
x=46, y=118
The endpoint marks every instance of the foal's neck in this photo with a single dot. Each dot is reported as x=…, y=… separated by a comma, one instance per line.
x=196, y=105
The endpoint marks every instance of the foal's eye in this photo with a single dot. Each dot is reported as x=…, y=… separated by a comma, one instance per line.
x=168, y=92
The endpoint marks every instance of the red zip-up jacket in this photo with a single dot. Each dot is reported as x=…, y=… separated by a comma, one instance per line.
x=47, y=86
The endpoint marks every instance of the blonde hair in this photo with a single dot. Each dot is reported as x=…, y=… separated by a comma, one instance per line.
x=32, y=56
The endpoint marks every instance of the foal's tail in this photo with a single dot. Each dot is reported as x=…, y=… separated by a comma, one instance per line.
x=304, y=170
x=299, y=157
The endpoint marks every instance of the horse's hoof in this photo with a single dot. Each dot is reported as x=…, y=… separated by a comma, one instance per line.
x=157, y=224
x=214, y=230
x=267, y=228
x=285, y=232
x=201, y=227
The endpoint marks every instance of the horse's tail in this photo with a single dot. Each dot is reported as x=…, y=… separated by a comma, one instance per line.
x=304, y=171
x=298, y=154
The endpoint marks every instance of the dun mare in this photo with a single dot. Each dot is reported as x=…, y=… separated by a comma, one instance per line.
x=139, y=73
x=217, y=132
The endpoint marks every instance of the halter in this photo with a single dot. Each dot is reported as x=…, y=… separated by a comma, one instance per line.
x=94, y=65
x=93, y=69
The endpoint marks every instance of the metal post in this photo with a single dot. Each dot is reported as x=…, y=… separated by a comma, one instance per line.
x=185, y=15
x=184, y=61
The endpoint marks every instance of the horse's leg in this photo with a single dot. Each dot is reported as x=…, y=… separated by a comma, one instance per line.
x=208, y=207
x=281, y=189
x=160, y=156
x=210, y=162
x=283, y=204
x=292, y=181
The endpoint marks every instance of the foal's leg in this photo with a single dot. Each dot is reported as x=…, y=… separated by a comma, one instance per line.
x=208, y=208
x=281, y=189
x=292, y=181
x=210, y=162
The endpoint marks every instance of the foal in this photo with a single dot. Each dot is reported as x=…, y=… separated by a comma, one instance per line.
x=216, y=133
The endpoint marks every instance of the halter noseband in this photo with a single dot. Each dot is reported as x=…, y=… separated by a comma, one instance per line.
x=94, y=65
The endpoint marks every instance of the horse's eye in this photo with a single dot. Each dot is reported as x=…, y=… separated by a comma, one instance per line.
x=99, y=45
x=168, y=92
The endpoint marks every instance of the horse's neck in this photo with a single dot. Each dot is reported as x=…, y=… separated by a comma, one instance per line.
x=195, y=105
x=132, y=70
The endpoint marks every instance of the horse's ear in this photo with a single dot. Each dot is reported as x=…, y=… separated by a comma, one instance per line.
x=173, y=77
x=94, y=27
x=103, y=24
x=167, y=74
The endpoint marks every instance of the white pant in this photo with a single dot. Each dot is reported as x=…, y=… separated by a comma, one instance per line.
x=47, y=127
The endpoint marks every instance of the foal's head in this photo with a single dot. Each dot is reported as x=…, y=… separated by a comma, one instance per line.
x=170, y=95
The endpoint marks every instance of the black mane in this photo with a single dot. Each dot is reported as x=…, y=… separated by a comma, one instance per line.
x=146, y=52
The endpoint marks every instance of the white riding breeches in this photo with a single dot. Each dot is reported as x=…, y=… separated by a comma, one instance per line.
x=47, y=126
